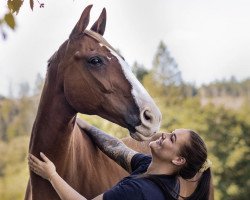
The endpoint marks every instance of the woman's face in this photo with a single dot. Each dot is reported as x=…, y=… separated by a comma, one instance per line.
x=167, y=147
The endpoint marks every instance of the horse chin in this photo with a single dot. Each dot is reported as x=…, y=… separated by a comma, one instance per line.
x=139, y=137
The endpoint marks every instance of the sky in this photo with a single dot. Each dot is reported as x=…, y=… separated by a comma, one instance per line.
x=209, y=39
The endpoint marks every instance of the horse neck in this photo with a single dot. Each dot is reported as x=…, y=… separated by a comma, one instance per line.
x=55, y=117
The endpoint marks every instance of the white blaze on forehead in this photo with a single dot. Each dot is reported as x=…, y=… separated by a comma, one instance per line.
x=107, y=47
x=139, y=93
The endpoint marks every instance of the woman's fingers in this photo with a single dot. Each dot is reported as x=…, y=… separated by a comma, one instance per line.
x=35, y=159
x=33, y=166
x=32, y=163
x=45, y=158
x=42, y=168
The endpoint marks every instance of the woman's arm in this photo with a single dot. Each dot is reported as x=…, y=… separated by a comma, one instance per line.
x=111, y=146
x=47, y=170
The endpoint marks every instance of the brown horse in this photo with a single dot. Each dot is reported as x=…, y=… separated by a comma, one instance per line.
x=87, y=75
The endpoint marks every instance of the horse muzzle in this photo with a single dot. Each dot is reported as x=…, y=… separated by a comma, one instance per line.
x=149, y=126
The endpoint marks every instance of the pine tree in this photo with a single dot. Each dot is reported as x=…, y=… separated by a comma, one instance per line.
x=139, y=70
x=165, y=67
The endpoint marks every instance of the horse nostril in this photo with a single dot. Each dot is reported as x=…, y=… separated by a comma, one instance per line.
x=147, y=115
x=149, y=122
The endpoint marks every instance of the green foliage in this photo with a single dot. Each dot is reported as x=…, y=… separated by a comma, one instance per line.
x=16, y=117
x=225, y=131
x=13, y=7
x=7, y=113
x=227, y=88
x=13, y=168
x=139, y=71
x=227, y=135
x=9, y=19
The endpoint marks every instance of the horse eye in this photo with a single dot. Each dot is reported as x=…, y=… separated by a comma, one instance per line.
x=95, y=61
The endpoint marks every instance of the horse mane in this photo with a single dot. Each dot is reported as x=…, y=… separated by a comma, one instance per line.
x=55, y=57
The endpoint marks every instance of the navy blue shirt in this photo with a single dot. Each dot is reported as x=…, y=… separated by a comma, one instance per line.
x=135, y=188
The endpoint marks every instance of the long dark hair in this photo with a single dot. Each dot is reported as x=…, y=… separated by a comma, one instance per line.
x=195, y=153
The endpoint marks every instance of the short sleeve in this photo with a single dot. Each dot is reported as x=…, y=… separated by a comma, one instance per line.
x=140, y=162
x=128, y=190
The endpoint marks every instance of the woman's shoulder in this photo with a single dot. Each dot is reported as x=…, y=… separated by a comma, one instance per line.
x=140, y=163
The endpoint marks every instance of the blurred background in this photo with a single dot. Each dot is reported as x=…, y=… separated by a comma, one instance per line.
x=192, y=57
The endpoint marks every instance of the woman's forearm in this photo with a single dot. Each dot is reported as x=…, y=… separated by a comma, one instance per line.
x=64, y=190
x=112, y=147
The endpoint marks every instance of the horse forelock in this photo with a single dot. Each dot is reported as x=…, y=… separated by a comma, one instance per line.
x=101, y=40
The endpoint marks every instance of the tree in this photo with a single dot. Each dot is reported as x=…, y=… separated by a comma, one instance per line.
x=165, y=78
x=231, y=87
x=227, y=137
x=139, y=70
x=165, y=67
x=24, y=89
x=8, y=111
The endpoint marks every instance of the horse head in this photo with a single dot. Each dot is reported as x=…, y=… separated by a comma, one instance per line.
x=98, y=81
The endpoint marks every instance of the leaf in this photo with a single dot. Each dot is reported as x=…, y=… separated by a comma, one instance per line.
x=10, y=6
x=15, y=5
x=9, y=19
x=31, y=4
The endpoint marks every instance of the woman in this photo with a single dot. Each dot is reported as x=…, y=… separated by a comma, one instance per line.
x=180, y=153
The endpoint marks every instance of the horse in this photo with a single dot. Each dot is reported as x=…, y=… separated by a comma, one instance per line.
x=87, y=75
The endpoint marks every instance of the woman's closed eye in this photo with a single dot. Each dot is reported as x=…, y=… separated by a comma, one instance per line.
x=173, y=137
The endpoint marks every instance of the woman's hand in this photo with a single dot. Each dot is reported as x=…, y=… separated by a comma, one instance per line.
x=47, y=170
x=44, y=169
x=83, y=124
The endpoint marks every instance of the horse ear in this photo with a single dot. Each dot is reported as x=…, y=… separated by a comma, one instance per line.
x=82, y=22
x=100, y=24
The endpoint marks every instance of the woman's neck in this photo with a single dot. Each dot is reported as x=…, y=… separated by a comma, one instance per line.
x=160, y=167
